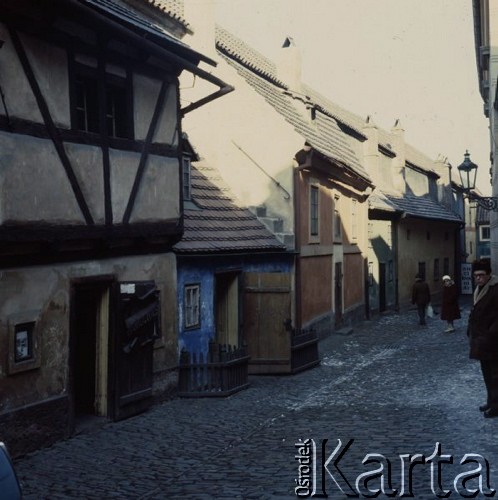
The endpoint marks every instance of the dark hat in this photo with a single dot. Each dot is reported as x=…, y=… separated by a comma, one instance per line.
x=481, y=265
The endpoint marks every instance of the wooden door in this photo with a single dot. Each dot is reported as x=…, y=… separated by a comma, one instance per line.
x=266, y=307
x=137, y=324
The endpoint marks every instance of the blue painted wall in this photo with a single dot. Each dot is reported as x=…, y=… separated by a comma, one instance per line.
x=202, y=270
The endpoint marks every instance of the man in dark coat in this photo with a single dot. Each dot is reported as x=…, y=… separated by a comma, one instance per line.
x=421, y=295
x=483, y=332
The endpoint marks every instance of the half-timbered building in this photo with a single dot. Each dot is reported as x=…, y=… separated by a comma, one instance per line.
x=90, y=208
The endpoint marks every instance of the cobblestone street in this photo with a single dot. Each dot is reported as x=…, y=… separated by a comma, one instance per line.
x=391, y=386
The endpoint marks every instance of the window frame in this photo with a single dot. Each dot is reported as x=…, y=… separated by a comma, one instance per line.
x=187, y=177
x=481, y=230
x=192, y=314
x=314, y=211
x=337, y=232
x=121, y=124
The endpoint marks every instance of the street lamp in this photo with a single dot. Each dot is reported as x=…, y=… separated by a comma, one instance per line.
x=468, y=172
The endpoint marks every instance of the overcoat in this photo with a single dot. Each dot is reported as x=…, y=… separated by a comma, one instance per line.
x=449, y=304
x=421, y=294
x=483, y=322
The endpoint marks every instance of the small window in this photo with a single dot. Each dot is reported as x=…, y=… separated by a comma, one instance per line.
x=90, y=95
x=192, y=306
x=446, y=265
x=314, y=192
x=354, y=221
x=337, y=219
x=421, y=270
x=436, y=269
x=187, y=180
x=485, y=233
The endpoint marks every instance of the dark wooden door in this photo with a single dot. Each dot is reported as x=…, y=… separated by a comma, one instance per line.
x=137, y=314
x=267, y=306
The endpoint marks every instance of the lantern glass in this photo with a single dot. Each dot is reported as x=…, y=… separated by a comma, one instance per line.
x=468, y=172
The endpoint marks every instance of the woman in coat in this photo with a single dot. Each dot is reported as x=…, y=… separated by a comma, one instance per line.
x=450, y=309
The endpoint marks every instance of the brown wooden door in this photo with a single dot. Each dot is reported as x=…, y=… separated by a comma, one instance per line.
x=137, y=313
x=267, y=305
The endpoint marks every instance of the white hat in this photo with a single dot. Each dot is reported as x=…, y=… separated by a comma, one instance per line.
x=446, y=277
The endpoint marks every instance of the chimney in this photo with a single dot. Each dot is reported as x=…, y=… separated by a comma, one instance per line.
x=289, y=65
x=445, y=193
x=371, y=149
x=398, y=139
x=200, y=14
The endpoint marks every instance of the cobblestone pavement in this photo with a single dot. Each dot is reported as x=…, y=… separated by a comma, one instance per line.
x=392, y=386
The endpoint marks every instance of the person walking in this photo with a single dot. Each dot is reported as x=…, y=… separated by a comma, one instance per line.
x=421, y=296
x=483, y=332
x=450, y=310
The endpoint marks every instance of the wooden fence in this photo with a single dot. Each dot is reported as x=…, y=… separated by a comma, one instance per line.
x=221, y=372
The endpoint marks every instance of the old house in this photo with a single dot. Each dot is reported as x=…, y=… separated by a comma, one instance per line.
x=298, y=167
x=415, y=225
x=90, y=208
x=235, y=286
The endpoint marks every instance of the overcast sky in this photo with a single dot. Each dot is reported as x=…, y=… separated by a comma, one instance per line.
x=407, y=59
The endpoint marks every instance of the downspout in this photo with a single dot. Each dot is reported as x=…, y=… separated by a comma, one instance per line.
x=297, y=243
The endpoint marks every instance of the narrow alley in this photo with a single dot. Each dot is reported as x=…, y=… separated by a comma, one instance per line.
x=391, y=388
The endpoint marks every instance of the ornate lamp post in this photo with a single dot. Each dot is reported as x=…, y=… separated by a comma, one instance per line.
x=468, y=172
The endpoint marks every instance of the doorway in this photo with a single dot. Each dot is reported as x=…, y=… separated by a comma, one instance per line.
x=227, y=308
x=89, y=350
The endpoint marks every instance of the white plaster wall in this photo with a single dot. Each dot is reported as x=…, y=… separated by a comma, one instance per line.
x=243, y=118
x=145, y=93
x=34, y=185
x=49, y=65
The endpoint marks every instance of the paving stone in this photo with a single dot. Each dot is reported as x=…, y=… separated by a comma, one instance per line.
x=391, y=386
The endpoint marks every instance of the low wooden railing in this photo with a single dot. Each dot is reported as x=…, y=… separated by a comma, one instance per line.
x=221, y=372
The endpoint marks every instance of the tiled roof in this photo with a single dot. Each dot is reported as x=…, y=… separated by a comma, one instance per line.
x=218, y=223
x=325, y=134
x=378, y=201
x=235, y=49
x=421, y=207
x=122, y=13
x=174, y=9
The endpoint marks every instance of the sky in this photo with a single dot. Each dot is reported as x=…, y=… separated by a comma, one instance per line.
x=412, y=60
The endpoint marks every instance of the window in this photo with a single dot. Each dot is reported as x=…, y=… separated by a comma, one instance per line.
x=485, y=233
x=314, y=192
x=354, y=221
x=436, y=269
x=192, y=306
x=446, y=265
x=90, y=95
x=337, y=219
x=187, y=180
x=421, y=270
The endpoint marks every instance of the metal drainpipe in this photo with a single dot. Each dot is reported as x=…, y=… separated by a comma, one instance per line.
x=297, y=243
